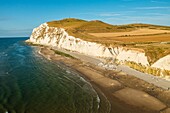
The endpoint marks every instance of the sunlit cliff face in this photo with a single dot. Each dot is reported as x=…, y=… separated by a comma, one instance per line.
x=58, y=37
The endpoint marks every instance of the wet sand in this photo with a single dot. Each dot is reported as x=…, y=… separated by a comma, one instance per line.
x=117, y=87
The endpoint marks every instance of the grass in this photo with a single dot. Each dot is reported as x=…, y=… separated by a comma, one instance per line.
x=83, y=29
x=63, y=54
x=148, y=38
x=155, y=52
x=148, y=69
x=145, y=69
x=67, y=23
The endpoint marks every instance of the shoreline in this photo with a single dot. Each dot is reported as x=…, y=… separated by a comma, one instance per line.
x=110, y=83
x=162, y=82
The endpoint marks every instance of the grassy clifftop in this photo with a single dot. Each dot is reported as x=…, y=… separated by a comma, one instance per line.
x=97, y=26
x=91, y=30
x=153, y=39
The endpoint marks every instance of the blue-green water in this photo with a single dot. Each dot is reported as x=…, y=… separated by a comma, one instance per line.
x=31, y=84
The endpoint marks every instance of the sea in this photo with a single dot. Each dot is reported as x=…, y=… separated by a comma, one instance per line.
x=29, y=83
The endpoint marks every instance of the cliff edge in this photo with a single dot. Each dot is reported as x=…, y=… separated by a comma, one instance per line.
x=80, y=36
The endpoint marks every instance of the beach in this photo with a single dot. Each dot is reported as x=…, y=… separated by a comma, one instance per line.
x=125, y=93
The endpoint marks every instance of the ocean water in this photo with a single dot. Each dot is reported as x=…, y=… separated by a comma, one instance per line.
x=31, y=84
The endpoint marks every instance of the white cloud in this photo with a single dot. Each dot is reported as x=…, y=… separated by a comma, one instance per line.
x=127, y=0
x=150, y=19
x=109, y=14
x=155, y=1
x=148, y=8
x=157, y=14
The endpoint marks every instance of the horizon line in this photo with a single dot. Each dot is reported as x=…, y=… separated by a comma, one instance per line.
x=14, y=36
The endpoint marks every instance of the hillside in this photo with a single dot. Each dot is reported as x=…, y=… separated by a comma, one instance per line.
x=97, y=26
x=143, y=47
x=153, y=39
x=98, y=31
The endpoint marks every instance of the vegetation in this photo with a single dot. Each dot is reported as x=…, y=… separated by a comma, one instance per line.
x=96, y=26
x=155, y=52
x=62, y=54
x=150, y=43
x=148, y=69
x=140, y=25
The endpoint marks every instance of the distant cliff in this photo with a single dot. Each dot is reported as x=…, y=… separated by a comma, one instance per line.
x=60, y=38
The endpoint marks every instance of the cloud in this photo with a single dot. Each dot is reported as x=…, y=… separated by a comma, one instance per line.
x=150, y=8
x=157, y=14
x=155, y=1
x=150, y=19
x=127, y=0
x=109, y=14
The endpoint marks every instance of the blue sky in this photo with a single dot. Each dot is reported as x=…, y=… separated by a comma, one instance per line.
x=19, y=17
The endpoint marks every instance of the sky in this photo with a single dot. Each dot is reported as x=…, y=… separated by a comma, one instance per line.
x=19, y=17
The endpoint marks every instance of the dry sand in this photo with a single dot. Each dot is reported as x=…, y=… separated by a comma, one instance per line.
x=123, y=91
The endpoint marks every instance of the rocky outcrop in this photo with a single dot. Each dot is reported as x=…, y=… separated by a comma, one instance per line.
x=58, y=37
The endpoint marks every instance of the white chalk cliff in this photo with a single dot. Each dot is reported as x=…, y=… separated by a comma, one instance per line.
x=58, y=37
x=163, y=63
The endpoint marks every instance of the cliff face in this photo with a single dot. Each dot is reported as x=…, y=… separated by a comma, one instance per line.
x=58, y=37
x=163, y=63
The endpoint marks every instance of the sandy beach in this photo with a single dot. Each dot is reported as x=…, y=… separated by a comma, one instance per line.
x=125, y=93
